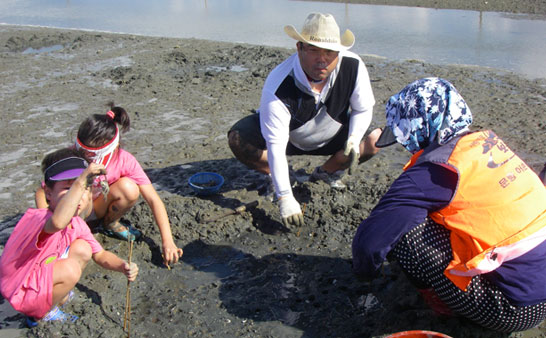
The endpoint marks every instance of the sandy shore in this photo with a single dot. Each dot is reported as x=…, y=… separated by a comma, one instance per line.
x=244, y=275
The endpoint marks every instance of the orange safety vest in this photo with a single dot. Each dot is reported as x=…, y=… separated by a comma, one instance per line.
x=498, y=210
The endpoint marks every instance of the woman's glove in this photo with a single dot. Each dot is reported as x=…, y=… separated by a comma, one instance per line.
x=290, y=211
x=352, y=150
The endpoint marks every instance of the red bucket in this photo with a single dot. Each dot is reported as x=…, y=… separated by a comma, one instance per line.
x=418, y=334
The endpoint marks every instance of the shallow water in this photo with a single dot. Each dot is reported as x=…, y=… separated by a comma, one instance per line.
x=43, y=50
x=510, y=42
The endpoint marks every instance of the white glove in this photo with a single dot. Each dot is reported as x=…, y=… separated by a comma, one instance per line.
x=290, y=211
x=352, y=150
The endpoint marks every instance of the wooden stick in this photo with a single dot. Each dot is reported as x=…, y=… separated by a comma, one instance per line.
x=127, y=319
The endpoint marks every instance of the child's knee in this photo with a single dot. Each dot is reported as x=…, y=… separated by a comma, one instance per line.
x=80, y=250
x=128, y=188
x=234, y=140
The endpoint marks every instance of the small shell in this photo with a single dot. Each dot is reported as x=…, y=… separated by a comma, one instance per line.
x=104, y=188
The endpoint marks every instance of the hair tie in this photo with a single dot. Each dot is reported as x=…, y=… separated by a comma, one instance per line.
x=111, y=114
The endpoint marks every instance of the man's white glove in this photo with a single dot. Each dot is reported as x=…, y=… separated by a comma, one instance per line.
x=290, y=211
x=352, y=150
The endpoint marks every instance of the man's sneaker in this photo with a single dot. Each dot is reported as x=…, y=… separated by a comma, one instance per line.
x=267, y=188
x=296, y=177
x=334, y=179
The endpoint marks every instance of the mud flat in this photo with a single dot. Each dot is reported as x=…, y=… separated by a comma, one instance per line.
x=243, y=275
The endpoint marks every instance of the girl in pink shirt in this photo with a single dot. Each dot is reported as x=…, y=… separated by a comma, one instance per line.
x=99, y=138
x=49, y=248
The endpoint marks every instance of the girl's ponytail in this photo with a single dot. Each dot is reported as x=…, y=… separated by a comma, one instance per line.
x=119, y=115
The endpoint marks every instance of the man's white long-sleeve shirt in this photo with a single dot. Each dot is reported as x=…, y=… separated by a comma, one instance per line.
x=276, y=114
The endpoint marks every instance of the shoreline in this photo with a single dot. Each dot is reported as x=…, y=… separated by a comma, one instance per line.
x=537, y=7
x=244, y=275
x=472, y=51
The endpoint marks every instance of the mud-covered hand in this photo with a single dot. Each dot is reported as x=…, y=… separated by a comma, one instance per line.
x=290, y=211
x=171, y=253
x=92, y=171
x=352, y=150
x=130, y=270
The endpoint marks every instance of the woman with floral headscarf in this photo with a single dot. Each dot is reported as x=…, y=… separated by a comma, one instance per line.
x=466, y=220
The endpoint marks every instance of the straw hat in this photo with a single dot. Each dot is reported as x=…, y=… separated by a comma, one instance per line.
x=321, y=30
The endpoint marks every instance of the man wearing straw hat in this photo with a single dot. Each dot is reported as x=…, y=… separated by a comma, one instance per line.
x=319, y=101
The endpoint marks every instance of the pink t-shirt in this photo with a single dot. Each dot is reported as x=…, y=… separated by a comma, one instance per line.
x=126, y=165
x=26, y=265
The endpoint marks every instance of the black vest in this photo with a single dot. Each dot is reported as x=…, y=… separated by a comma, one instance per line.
x=302, y=105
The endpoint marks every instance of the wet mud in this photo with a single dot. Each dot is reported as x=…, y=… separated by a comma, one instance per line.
x=244, y=275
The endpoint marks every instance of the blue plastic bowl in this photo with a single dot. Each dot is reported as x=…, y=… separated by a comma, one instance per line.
x=206, y=183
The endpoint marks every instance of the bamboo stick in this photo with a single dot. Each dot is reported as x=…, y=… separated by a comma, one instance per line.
x=127, y=319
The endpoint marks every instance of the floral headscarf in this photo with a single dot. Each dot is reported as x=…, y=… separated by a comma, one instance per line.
x=426, y=110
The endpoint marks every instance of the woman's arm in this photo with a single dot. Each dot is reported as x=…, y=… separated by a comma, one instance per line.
x=421, y=189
